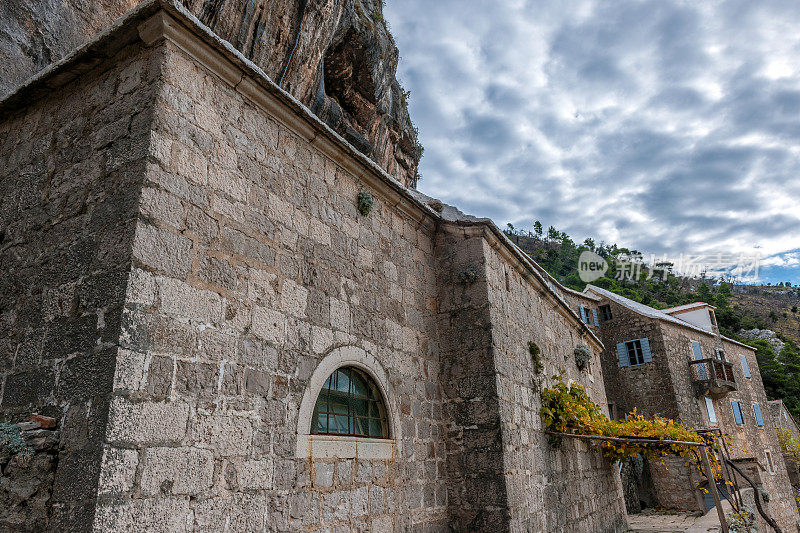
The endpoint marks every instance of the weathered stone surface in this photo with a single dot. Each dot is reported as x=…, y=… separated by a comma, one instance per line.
x=186, y=471
x=68, y=216
x=147, y=422
x=26, y=481
x=338, y=58
x=118, y=474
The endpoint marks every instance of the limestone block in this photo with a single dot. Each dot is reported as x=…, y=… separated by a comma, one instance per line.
x=129, y=372
x=146, y=423
x=183, y=470
x=189, y=163
x=141, y=287
x=269, y=325
x=335, y=506
x=226, y=435
x=181, y=300
x=255, y=474
x=156, y=515
x=118, y=470
x=359, y=501
x=261, y=287
x=161, y=249
x=294, y=298
x=323, y=474
x=162, y=206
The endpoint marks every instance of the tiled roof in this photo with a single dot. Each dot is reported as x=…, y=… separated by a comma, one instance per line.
x=644, y=310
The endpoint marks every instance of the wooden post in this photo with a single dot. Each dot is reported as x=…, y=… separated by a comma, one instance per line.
x=712, y=486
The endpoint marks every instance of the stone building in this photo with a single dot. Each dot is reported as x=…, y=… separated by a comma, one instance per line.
x=241, y=323
x=676, y=364
x=787, y=425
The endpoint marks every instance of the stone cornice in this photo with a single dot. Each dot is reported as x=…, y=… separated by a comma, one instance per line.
x=521, y=264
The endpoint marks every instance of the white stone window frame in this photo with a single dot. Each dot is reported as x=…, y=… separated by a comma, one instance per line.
x=311, y=446
x=769, y=460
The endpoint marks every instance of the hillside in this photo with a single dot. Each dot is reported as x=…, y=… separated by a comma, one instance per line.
x=777, y=308
x=739, y=307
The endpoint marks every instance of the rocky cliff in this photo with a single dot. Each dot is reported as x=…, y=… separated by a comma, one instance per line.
x=335, y=56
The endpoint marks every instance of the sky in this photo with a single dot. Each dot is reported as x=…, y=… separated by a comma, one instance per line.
x=665, y=126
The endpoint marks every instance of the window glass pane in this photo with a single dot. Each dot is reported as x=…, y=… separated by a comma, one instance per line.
x=360, y=387
x=339, y=405
x=342, y=424
x=712, y=415
x=321, y=421
x=361, y=426
x=350, y=404
x=341, y=382
x=359, y=407
x=376, y=428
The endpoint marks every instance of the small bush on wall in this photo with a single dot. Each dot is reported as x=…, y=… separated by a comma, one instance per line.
x=536, y=359
x=365, y=203
x=582, y=356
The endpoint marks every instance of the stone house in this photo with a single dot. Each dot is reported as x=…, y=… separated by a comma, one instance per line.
x=675, y=363
x=785, y=422
x=241, y=323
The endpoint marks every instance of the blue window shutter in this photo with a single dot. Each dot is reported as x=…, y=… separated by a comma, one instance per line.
x=648, y=356
x=757, y=412
x=737, y=412
x=697, y=350
x=745, y=366
x=594, y=316
x=583, y=313
x=622, y=353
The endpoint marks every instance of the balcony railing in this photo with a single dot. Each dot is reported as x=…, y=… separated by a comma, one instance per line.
x=712, y=376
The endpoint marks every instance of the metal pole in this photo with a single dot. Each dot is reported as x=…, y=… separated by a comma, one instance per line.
x=712, y=485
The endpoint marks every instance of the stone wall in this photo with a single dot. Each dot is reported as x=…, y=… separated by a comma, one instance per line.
x=28, y=461
x=72, y=164
x=571, y=487
x=477, y=497
x=647, y=387
x=251, y=263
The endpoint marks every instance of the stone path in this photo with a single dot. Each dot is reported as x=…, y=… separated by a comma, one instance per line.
x=666, y=522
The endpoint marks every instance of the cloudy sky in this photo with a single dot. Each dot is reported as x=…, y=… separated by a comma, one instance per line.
x=666, y=126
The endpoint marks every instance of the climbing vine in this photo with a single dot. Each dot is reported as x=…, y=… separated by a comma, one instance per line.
x=536, y=360
x=790, y=442
x=570, y=410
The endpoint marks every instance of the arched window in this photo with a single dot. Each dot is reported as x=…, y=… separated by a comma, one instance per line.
x=350, y=403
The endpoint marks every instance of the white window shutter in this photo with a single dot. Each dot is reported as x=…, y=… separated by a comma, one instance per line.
x=712, y=414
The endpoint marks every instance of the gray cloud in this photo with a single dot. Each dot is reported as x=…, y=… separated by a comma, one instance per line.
x=665, y=126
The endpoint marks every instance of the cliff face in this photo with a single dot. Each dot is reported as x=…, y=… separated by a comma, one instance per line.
x=335, y=56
